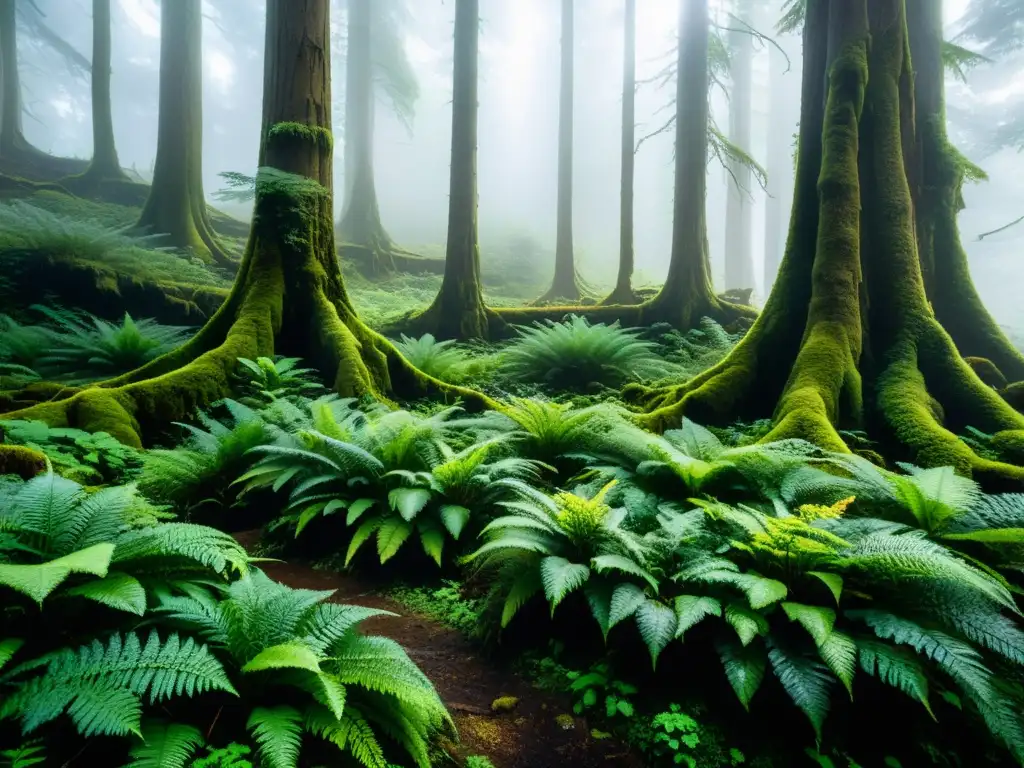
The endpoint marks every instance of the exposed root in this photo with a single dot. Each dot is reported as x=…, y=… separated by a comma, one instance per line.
x=375, y=264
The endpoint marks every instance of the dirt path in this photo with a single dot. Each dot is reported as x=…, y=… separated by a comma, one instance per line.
x=527, y=737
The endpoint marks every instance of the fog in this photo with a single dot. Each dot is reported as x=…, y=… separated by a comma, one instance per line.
x=518, y=124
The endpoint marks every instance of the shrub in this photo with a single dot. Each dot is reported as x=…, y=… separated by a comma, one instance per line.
x=282, y=643
x=575, y=354
x=264, y=380
x=86, y=457
x=440, y=359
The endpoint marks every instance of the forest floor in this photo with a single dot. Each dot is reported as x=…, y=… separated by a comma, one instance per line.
x=530, y=736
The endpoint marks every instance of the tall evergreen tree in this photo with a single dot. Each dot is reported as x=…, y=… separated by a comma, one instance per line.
x=739, y=262
x=289, y=296
x=623, y=293
x=565, y=284
x=176, y=206
x=847, y=338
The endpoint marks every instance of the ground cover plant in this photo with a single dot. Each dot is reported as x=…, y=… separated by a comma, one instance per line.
x=713, y=526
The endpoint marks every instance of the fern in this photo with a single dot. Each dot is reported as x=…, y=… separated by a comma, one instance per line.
x=165, y=745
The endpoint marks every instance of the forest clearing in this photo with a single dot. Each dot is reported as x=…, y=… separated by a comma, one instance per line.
x=286, y=484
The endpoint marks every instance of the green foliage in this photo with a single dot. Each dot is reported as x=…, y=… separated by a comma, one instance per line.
x=958, y=60
x=24, y=756
x=597, y=688
x=445, y=604
x=575, y=355
x=393, y=474
x=76, y=347
x=197, y=473
x=441, y=359
x=232, y=756
x=478, y=761
x=86, y=457
x=30, y=232
x=291, y=645
x=264, y=380
x=675, y=736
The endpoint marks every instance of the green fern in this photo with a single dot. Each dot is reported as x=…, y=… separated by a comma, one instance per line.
x=166, y=745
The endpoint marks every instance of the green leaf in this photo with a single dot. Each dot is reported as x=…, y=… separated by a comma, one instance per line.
x=990, y=536
x=833, y=581
x=8, y=647
x=805, y=679
x=748, y=624
x=363, y=532
x=839, y=652
x=526, y=585
x=116, y=590
x=165, y=745
x=625, y=707
x=657, y=623
x=454, y=518
x=691, y=610
x=897, y=667
x=432, y=539
x=278, y=735
x=560, y=577
x=744, y=667
x=625, y=600
x=291, y=655
x=357, y=508
x=39, y=580
x=409, y=502
x=599, y=598
x=816, y=620
x=306, y=515
x=603, y=563
x=589, y=697
x=390, y=537
x=762, y=592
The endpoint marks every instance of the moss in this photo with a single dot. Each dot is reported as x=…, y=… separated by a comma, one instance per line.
x=18, y=460
x=504, y=704
x=987, y=371
x=565, y=722
x=1013, y=394
x=288, y=132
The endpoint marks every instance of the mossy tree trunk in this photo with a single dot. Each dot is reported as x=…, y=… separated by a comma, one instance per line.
x=360, y=223
x=288, y=296
x=176, y=206
x=17, y=155
x=565, y=285
x=739, y=262
x=458, y=312
x=623, y=293
x=849, y=319
x=940, y=175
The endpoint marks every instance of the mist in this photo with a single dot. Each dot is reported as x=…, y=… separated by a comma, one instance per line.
x=518, y=125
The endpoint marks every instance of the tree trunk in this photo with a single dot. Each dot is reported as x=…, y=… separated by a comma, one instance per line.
x=778, y=166
x=104, y=177
x=458, y=312
x=623, y=293
x=17, y=156
x=289, y=296
x=687, y=294
x=739, y=263
x=565, y=285
x=941, y=174
x=848, y=319
x=11, y=137
x=176, y=206
x=360, y=219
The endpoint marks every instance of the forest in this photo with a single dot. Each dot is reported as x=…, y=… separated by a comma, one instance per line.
x=511, y=383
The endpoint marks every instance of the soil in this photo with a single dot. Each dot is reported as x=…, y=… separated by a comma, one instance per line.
x=526, y=737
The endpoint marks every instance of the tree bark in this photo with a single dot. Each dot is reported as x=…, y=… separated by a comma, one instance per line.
x=565, y=284
x=623, y=293
x=176, y=206
x=778, y=165
x=360, y=223
x=17, y=156
x=940, y=176
x=288, y=296
x=458, y=312
x=739, y=263
x=848, y=319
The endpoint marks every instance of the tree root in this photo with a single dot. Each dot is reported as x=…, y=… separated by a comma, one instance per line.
x=375, y=264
